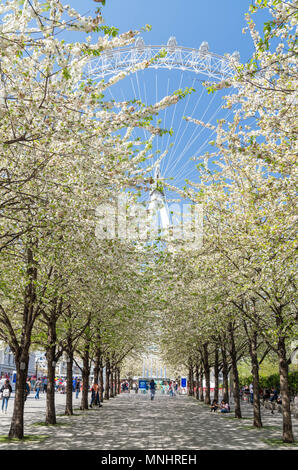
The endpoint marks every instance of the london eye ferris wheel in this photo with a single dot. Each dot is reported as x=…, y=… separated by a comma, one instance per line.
x=179, y=68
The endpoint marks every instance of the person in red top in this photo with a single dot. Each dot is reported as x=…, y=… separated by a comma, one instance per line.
x=95, y=395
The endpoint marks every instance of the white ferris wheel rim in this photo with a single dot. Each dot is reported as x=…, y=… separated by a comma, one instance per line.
x=199, y=61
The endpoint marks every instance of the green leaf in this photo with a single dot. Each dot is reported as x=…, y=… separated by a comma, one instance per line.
x=66, y=73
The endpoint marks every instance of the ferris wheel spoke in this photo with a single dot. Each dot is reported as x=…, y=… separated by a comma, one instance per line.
x=165, y=120
x=195, y=135
x=173, y=115
x=177, y=160
x=177, y=132
x=202, y=147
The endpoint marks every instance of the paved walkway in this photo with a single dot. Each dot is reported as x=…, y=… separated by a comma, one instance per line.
x=132, y=422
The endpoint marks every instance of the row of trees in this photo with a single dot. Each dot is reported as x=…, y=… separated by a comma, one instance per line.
x=65, y=150
x=235, y=297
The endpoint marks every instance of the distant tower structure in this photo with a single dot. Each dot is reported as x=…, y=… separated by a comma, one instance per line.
x=158, y=203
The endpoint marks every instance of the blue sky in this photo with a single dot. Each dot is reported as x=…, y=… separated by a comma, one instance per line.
x=219, y=22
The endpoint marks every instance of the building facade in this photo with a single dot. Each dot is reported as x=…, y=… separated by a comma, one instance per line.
x=8, y=365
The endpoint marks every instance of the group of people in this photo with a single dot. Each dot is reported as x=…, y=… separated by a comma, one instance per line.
x=125, y=386
x=165, y=388
x=35, y=385
x=223, y=407
x=272, y=397
x=38, y=384
x=247, y=391
x=266, y=394
x=94, y=389
x=170, y=388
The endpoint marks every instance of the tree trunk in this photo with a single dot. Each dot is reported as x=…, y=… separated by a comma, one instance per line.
x=97, y=363
x=257, y=421
x=197, y=382
x=115, y=382
x=52, y=359
x=118, y=381
x=50, y=398
x=284, y=391
x=107, y=386
x=231, y=384
x=22, y=353
x=207, y=392
x=216, y=374
x=112, y=383
x=201, y=376
x=70, y=360
x=85, y=378
x=17, y=422
x=96, y=371
x=225, y=374
x=206, y=366
x=100, y=382
x=236, y=387
x=69, y=394
x=190, y=379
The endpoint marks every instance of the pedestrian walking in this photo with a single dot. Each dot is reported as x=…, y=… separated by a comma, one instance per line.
x=251, y=392
x=97, y=399
x=273, y=397
x=5, y=391
x=152, y=389
x=94, y=391
x=37, y=388
x=246, y=393
x=273, y=394
x=172, y=389
x=95, y=395
x=78, y=388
